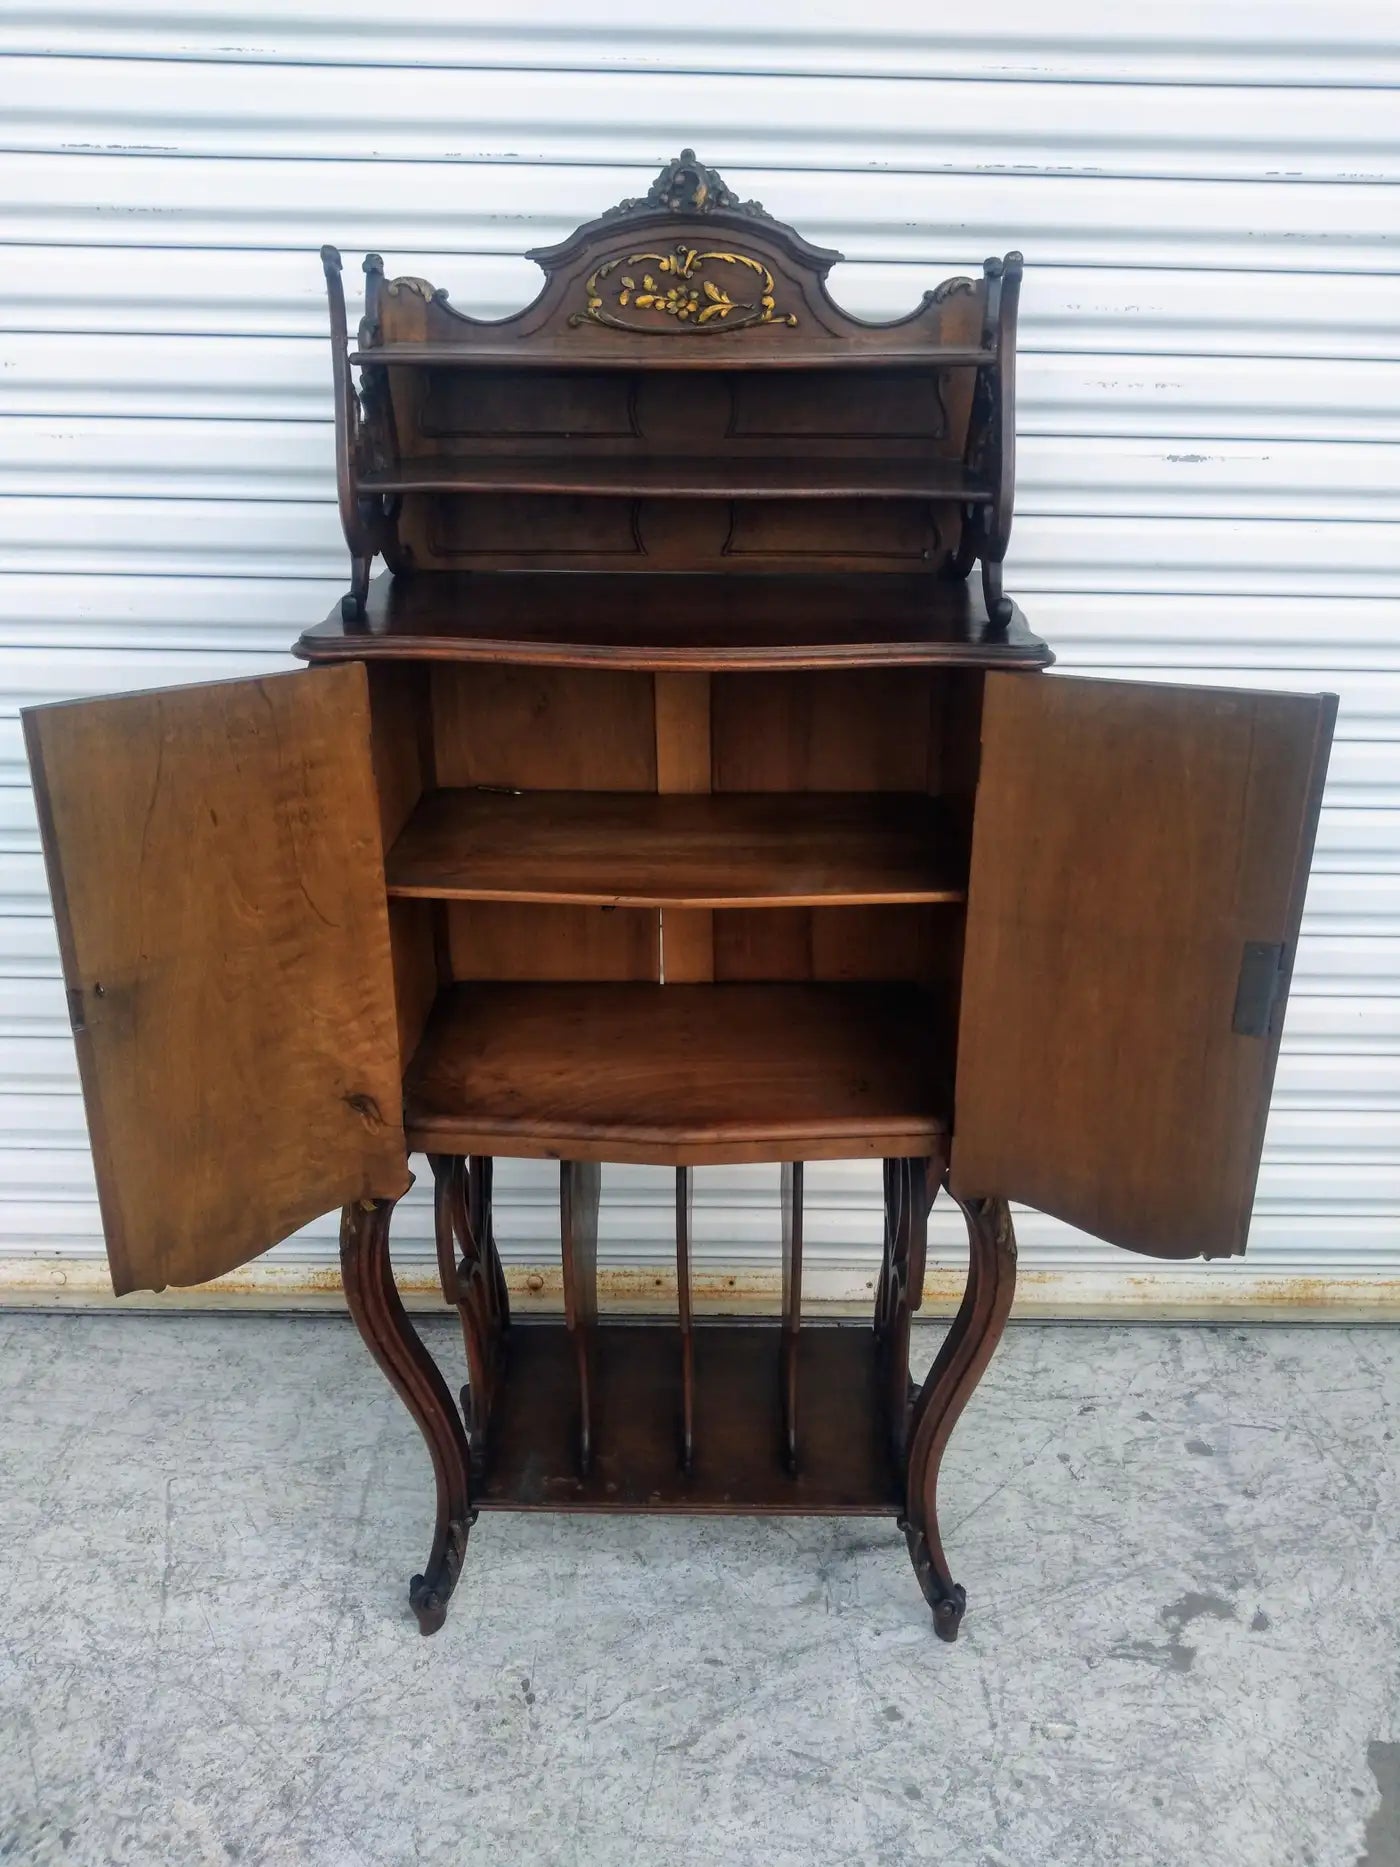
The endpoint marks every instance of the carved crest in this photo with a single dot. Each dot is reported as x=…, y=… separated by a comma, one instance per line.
x=686, y=186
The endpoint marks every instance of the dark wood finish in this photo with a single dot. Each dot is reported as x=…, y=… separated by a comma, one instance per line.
x=869, y=729
x=846, y=1468
x=544, y=356
x=679, y=1075
x=647, y=476
x=214, y=863
x=1100, y=1074
x=372, y=1298
x=580, y=1185
x=671, y=732
x=958, y=1367
x=507, y=940
x=692, y=279
x=736, y=620
x=739, y=850
x=789, y=1335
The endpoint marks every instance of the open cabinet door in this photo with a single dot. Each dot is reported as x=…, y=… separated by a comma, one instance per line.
x=1140, y=855
x=214, y=859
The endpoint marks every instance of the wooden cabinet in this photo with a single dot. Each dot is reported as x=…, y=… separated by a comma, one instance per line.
x=677, y=797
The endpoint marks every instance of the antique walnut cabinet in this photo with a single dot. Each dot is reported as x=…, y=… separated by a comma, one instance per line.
x=686, y=791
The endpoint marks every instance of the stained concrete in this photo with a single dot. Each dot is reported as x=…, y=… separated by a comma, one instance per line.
x=1180, y=1547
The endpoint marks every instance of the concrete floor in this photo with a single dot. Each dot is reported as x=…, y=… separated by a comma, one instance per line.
x=1183, y=1642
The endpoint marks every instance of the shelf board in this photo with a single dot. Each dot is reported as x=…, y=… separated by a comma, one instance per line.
x=844, y=1464
x=704, y=620
x=690, y=476
x=680, y=1074
x=634, y=849
x=708, y=354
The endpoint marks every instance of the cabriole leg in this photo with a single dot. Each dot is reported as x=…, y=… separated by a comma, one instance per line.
x=381, y=1319
x=959, y=1366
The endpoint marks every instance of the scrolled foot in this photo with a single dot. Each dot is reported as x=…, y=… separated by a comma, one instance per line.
x=428, y=1595
x=947, y=1600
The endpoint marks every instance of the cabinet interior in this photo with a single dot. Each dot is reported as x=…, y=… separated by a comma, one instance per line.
x=598, y=829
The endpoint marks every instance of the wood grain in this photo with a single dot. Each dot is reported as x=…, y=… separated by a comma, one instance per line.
x=513, y=940
x=1129, y=840
x=543, y=728
x=680, y=1074
x=213, y=854
x=738, y=850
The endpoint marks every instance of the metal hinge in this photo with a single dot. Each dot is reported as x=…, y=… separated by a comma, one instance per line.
x=1261, y=972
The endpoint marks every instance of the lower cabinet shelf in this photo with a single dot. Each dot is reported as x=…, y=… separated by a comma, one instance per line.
x=739, y=1461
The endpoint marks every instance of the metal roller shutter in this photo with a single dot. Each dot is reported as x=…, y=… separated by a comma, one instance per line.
x=1209, y=480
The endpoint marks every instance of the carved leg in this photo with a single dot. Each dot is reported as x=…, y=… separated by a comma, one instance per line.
x=960, y=1364
x=352, y=604
x=474, y=1283
x=373, y=1300
x=910, y=1186
x=998, y=605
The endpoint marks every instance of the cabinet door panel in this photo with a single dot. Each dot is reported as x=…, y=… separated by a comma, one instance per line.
x=214, y=859
x=1140, y=855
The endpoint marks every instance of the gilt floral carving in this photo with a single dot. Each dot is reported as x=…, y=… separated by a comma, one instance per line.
x=707, y=291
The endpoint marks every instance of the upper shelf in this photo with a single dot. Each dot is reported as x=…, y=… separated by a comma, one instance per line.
x=692, y=476
x=715, y=621
x=714, y=354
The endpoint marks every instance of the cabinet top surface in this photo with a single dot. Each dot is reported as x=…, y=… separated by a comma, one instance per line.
x=717, y=620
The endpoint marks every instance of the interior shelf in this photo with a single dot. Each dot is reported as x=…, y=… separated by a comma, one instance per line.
x=700, y=620
x=711, y=354
x=635, y=849
x=680, y=1074
x=532, y=1460
x=690, y=476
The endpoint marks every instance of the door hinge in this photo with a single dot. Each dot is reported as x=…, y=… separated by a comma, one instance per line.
x=1261, y=972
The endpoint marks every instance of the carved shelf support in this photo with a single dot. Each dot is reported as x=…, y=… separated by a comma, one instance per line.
x=958, y=1367
x=369, y=525
x=910, y=1186
x=469, y=1270
x=373, y=1300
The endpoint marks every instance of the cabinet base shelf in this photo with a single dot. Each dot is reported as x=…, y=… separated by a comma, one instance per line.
x=844, y=1462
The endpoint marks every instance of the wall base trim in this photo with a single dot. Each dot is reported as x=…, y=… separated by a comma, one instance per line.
x=1141, y=1293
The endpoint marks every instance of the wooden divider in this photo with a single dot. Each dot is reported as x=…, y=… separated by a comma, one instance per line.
x=792, y=1304
x=580, y=1183
x=685, y=1208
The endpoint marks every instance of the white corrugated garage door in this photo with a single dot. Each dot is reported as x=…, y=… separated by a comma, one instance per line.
x=1209, y=411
